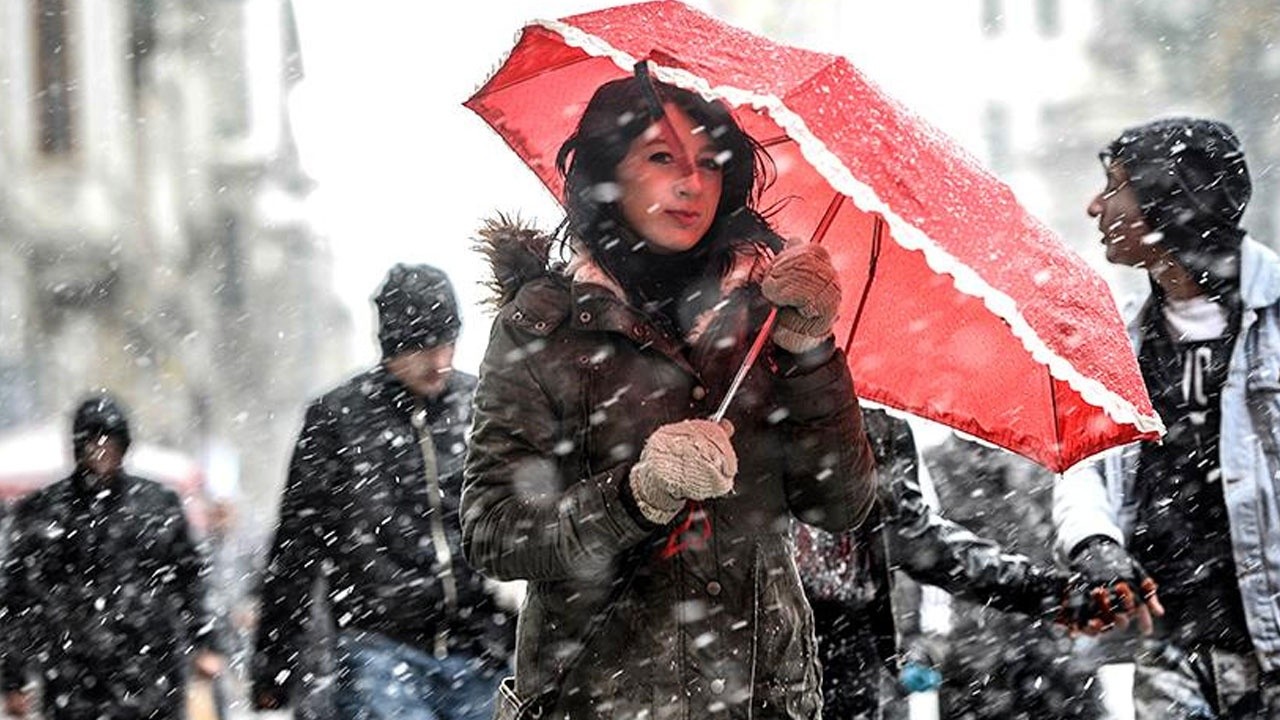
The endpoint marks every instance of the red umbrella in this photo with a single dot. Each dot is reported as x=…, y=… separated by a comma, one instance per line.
x=959, y=305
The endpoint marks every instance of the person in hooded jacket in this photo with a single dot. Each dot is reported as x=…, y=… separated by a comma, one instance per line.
x=1196, y=515
x=847, y=578
x=104, y=599
x=371, y=508
x=656, y=541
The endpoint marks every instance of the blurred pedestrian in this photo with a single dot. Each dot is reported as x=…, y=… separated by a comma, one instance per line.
x=371, y=507
x=996, y=664
x=1196, y=514
x=104, y=598
x=657, y=541
x=846, y=577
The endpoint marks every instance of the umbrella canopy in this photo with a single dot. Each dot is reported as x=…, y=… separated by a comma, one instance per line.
x=959, y=306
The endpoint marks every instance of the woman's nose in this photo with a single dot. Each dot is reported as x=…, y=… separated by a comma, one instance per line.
x=689, y=185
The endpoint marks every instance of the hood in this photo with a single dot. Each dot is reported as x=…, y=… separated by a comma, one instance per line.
x=1192, y=183
x=517, y=253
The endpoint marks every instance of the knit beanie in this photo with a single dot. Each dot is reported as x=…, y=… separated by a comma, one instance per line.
x=416, y=310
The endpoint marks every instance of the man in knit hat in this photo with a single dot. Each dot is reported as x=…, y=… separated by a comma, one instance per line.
x=371, y=508
x=1196, y=515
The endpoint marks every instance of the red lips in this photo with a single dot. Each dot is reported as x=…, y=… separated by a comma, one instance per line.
x=684, y=218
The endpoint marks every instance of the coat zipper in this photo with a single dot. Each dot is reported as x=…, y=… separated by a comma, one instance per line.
x=444, y=557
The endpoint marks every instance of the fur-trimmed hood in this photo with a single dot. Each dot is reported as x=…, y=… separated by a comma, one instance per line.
x=519, y=252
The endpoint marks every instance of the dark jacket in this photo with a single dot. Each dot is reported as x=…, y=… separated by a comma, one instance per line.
x=997, y=666
x=573, y=383
x=104, y=598
x=852, y=570
x=358, y=511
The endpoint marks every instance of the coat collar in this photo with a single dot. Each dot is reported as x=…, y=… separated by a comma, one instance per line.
x=1259, y=284
x=1259, y=275
x=592, y=285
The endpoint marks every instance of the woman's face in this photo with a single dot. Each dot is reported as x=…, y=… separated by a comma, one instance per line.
x=669, y=208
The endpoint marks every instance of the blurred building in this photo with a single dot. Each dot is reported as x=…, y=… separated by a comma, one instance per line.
x=153, y=237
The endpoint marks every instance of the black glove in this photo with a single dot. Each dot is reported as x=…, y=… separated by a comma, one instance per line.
x=1041, y=591
x=1107, y=586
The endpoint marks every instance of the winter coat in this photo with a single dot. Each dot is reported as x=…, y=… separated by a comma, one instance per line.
x=1100, y=498
x=573, y=382
x=104, y=598
x=358, y=511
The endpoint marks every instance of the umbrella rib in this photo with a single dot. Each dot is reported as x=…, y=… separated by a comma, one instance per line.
x=877, y=239
x=1057, y=417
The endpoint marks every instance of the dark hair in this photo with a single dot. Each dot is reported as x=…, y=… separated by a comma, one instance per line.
x=615, y=116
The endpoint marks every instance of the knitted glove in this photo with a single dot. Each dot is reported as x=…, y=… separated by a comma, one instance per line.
x=686, y=460
x=1109, y=586
x=804, y=286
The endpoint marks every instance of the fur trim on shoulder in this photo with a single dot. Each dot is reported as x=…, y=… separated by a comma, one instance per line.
x=517, y=253
x=584, y=268
x=750, y=262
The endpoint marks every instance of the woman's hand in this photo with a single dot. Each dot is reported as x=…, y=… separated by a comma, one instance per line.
x=803, y=284
x=686, y=460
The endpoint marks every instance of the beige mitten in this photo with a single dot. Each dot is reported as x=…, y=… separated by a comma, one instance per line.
x=803, y=284
x=686, y=460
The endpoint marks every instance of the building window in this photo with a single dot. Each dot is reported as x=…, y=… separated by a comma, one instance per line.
x=996, y=127
x=1049, y=17
x=992, y=17
x=142, y=40
x=55, y=87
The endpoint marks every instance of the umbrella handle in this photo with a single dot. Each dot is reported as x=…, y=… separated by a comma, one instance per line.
x=747, y=362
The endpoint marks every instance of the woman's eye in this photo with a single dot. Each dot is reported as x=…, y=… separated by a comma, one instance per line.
x=661, y=157
x=710, y=163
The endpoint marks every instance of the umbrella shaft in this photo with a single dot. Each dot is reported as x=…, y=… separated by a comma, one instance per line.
x=747, y=362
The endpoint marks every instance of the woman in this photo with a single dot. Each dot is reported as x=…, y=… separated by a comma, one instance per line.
x=656, y=542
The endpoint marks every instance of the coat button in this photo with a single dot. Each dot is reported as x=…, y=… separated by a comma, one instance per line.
x=698, y=392
x=713, y=588
x=717, y=686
